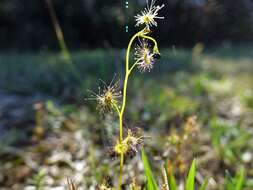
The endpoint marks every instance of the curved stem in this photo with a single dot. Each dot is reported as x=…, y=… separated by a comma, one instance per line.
x=130, y=70
x=116, y=107
x=152, y=39
x=121, y=113
x=127, y=71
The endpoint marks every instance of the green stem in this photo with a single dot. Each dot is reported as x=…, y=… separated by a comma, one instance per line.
x=61, y=41
x=153, y=40
x=116, y=107
x=128, y=71
x=122, y=110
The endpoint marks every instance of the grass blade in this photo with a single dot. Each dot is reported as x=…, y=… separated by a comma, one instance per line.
x=228, y=181
x=204, y=184
x=240, y=179
x=170, y=177
x=191, y=177
x=151, y=183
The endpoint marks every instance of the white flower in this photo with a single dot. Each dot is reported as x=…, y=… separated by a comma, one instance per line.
x=149, y=14
x=107, y=97
x=144, y=56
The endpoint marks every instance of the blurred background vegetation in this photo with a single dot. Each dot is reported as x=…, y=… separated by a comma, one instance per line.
x=26, y=25
x=52, y=51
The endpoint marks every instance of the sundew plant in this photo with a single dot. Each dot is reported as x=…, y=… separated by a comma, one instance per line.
x=110, y=98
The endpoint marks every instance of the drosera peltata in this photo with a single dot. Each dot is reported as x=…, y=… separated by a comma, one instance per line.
x=107, y=98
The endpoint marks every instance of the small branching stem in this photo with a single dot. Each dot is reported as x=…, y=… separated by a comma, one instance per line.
x=116, y=108
x=121, y=113
x=153, y=40
x=122, y=108
x=150, y=38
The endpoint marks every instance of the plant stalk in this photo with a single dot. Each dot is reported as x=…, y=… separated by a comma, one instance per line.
x=122, y=110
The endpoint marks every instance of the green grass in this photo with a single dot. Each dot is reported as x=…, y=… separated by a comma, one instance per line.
x=216, y=86
x=170, y=183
